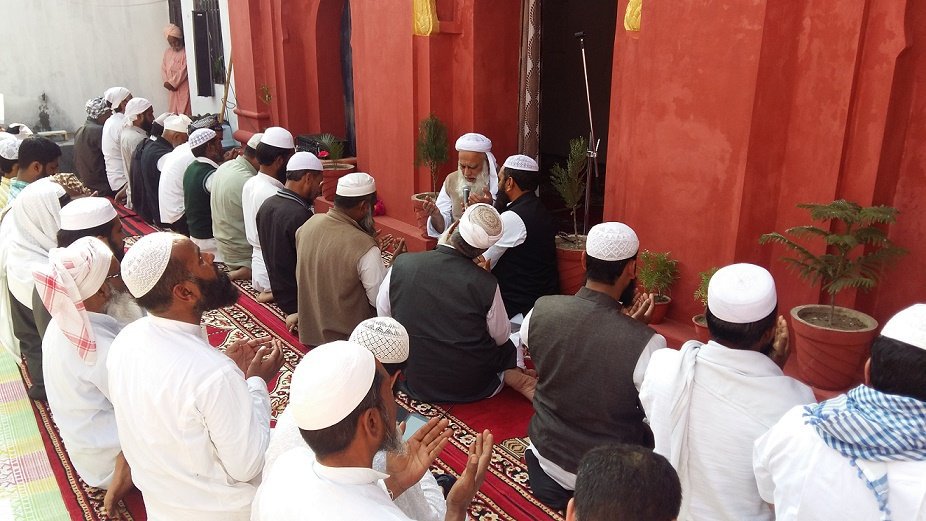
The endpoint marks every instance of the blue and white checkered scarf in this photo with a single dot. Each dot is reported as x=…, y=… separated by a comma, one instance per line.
x=865, y=426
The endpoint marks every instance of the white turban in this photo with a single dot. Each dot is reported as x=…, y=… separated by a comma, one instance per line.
x=146, y=261
x=37, y=214
x=134, y=108
x=72, y=275
x=741, y=293
x=329, y=383
x=385, y=337
x=473, y=142
x=116, y=95
x=908, y=326
x=481, y=226
x=611, y=241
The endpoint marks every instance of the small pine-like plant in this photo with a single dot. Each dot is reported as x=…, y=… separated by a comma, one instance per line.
x=704, y=279
x=431, y=148
x=852, y=228
x=570, y=181
x=657, y=271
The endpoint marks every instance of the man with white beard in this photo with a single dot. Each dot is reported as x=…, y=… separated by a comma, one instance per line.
x=474, y=181
x=76, y=287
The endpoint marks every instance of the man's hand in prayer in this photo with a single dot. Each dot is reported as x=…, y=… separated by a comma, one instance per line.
x=642, y=307
x=242, y=351
x=292, y=323
x=464, y=490
x=406, y=467
x=430, y=208
x=483, y=263
x=484, y=197
x=122, y=196
x=169, y=87
x=781, y=347
x=267, y=361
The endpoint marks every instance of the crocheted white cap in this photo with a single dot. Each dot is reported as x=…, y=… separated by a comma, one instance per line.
x=908, y=326
x=201, y=136
x=356, y=185
x=9, y=148
x=329, y=383
x=521, y=162
x=481, y=226
x=611, y=241
x=741, y=293
x=304, y=161
x=86, y=213
x=384, y=337
x=146, y=261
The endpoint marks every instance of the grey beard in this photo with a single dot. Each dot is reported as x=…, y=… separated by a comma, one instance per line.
x=476, y=187
x=368, y=224
x=122, y=307
x=392, y=442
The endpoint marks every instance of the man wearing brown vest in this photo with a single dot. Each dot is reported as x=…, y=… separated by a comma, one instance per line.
x=585, y=345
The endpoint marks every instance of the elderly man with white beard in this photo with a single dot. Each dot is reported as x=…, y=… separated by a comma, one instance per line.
x=76, y=287
x=474, y=181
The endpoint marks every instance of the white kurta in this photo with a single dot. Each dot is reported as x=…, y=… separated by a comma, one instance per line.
x=298, y=488
x=7, y=338
x=707, y=405
x=423, y=502
x=78, y=395
x=514, y=233
x=128, y=142
x=192, y=429
x=170, y=186
x=112, y=151
x=807, y=480
x=257, y=190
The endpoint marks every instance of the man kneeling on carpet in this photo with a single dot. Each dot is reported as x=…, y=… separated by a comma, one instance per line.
x=341, y=399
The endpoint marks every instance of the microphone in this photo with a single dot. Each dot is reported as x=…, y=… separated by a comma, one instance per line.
x=465, y=196
x=581, y=37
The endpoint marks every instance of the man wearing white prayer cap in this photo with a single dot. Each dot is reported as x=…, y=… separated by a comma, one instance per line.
x=339, y=265
x=92, y=217
x=194, y=423
x=170, y=187
x=277, y=221
x=707, y=404
x=135, y=169
x=867, y=446
x=273, y=151
x=118, y=99
x=206, y=146
x=152, y=159
x=588, y=344
x=524, y=259
x=76, y=288
x=460, y=350
x=88, y=154
x=9, y=167
x=227, y=211
x=474, y=181
x=341, y=400
x=139, y=118
x=37, y=158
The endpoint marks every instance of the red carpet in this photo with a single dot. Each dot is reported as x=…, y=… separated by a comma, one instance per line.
x=504, y=495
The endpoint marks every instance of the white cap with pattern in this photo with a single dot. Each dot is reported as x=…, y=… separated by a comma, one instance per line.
x=384, y=337
x=201, y=136
x=481, y=226
x=908, y=326
x=611, y=241
x=521, y=162
x=146, y=260
x=9, y=149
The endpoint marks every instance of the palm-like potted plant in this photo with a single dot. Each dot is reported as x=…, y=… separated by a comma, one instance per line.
x=833, y=342
x=700, y=294
x=432, y=151
x=657, y=272
x=569, y=182
x=332, y=152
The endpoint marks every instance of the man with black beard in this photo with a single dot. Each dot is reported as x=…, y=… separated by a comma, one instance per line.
x=588, y=345
x=194, y=423
x=139, y=118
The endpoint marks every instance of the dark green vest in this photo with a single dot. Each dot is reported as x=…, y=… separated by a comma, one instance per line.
x=196, y=199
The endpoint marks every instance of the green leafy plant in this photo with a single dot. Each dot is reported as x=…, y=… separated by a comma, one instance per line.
x=704, y=279
x=333, y=145
x=431, y=148
x=570, y=181
x=852, y=229
x=657, y=272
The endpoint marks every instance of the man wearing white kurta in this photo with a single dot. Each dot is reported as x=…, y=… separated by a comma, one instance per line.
x=139, y=116
x=117, y=97
x=194, y=423
x=170, y=186
x=860, y=455
x=707, y=404
x=273, y=152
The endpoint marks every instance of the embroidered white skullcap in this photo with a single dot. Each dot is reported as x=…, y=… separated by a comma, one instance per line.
x=304, y=161
x=611, y=241
x=521, y=162
x=278, y=137
x=178, y=123
x=146, y=261
x=86, y=213
x=741, y=293
x=162, y=118
x=384, y=337
x=134, y=108
x=481, y=226
x=473, y=142
x=908, y=326
x=255, y=140
x=116, y=95
x=201, y=136
x=9, y=149
x=329, y=383
x=356, y=185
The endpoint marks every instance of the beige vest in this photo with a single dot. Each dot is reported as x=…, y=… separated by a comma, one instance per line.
x=453, y=185
x=332, y=300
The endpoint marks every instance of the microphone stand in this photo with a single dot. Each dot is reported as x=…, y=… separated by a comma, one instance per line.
x=592, y=151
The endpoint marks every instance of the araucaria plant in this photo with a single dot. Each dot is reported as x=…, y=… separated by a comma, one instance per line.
x=657, y=272
x=570, y=181
x=704, y=279
x=431, y=147
x=856, y=249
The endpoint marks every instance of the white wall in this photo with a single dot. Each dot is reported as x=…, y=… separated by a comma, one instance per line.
x=73, y=50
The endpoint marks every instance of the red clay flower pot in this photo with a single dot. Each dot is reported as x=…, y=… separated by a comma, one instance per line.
x=569, y=264
x=828, y=358
x=661, y=308
x=700, y=325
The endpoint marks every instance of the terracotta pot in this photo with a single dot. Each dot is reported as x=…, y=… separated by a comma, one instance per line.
x=333, y=172
x=828, y=358
x=662, y=307
x=421, y=217
x=569, y=265
x=700, y=325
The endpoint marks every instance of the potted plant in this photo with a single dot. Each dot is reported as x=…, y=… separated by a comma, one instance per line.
x=700, y=294
x=657, y=272
x=431, y=150
x=833, y=342
x=331, y=154
x=569, y=182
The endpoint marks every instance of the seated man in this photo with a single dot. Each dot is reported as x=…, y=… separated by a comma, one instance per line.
x=622, y=483
x=460, y=350
x=341, y=400
x=708, y=403
x=474, y=181
x=227, y=210
x=585, y=345
x=206, y=146
x=861, y=455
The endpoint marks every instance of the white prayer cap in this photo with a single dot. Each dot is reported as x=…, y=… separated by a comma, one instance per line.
x=473, y=142
x=146, y=261
x=329, y=383
x=356, y=185
x=22, y=131
x=611, y=241
x=481, y=226
x=86, y=213
x=521, y=162
x=177, y=123
x=162, y=118
x=201, y=136
x=384, y=337
x=255, y=140
x=304, y=161
x=9, y=149
x=116, y=95
x=278, y=137
x=134, y=107
x=908, y=326
x=741, y=293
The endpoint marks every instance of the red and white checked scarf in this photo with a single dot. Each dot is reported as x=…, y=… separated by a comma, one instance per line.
x=72, y=275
